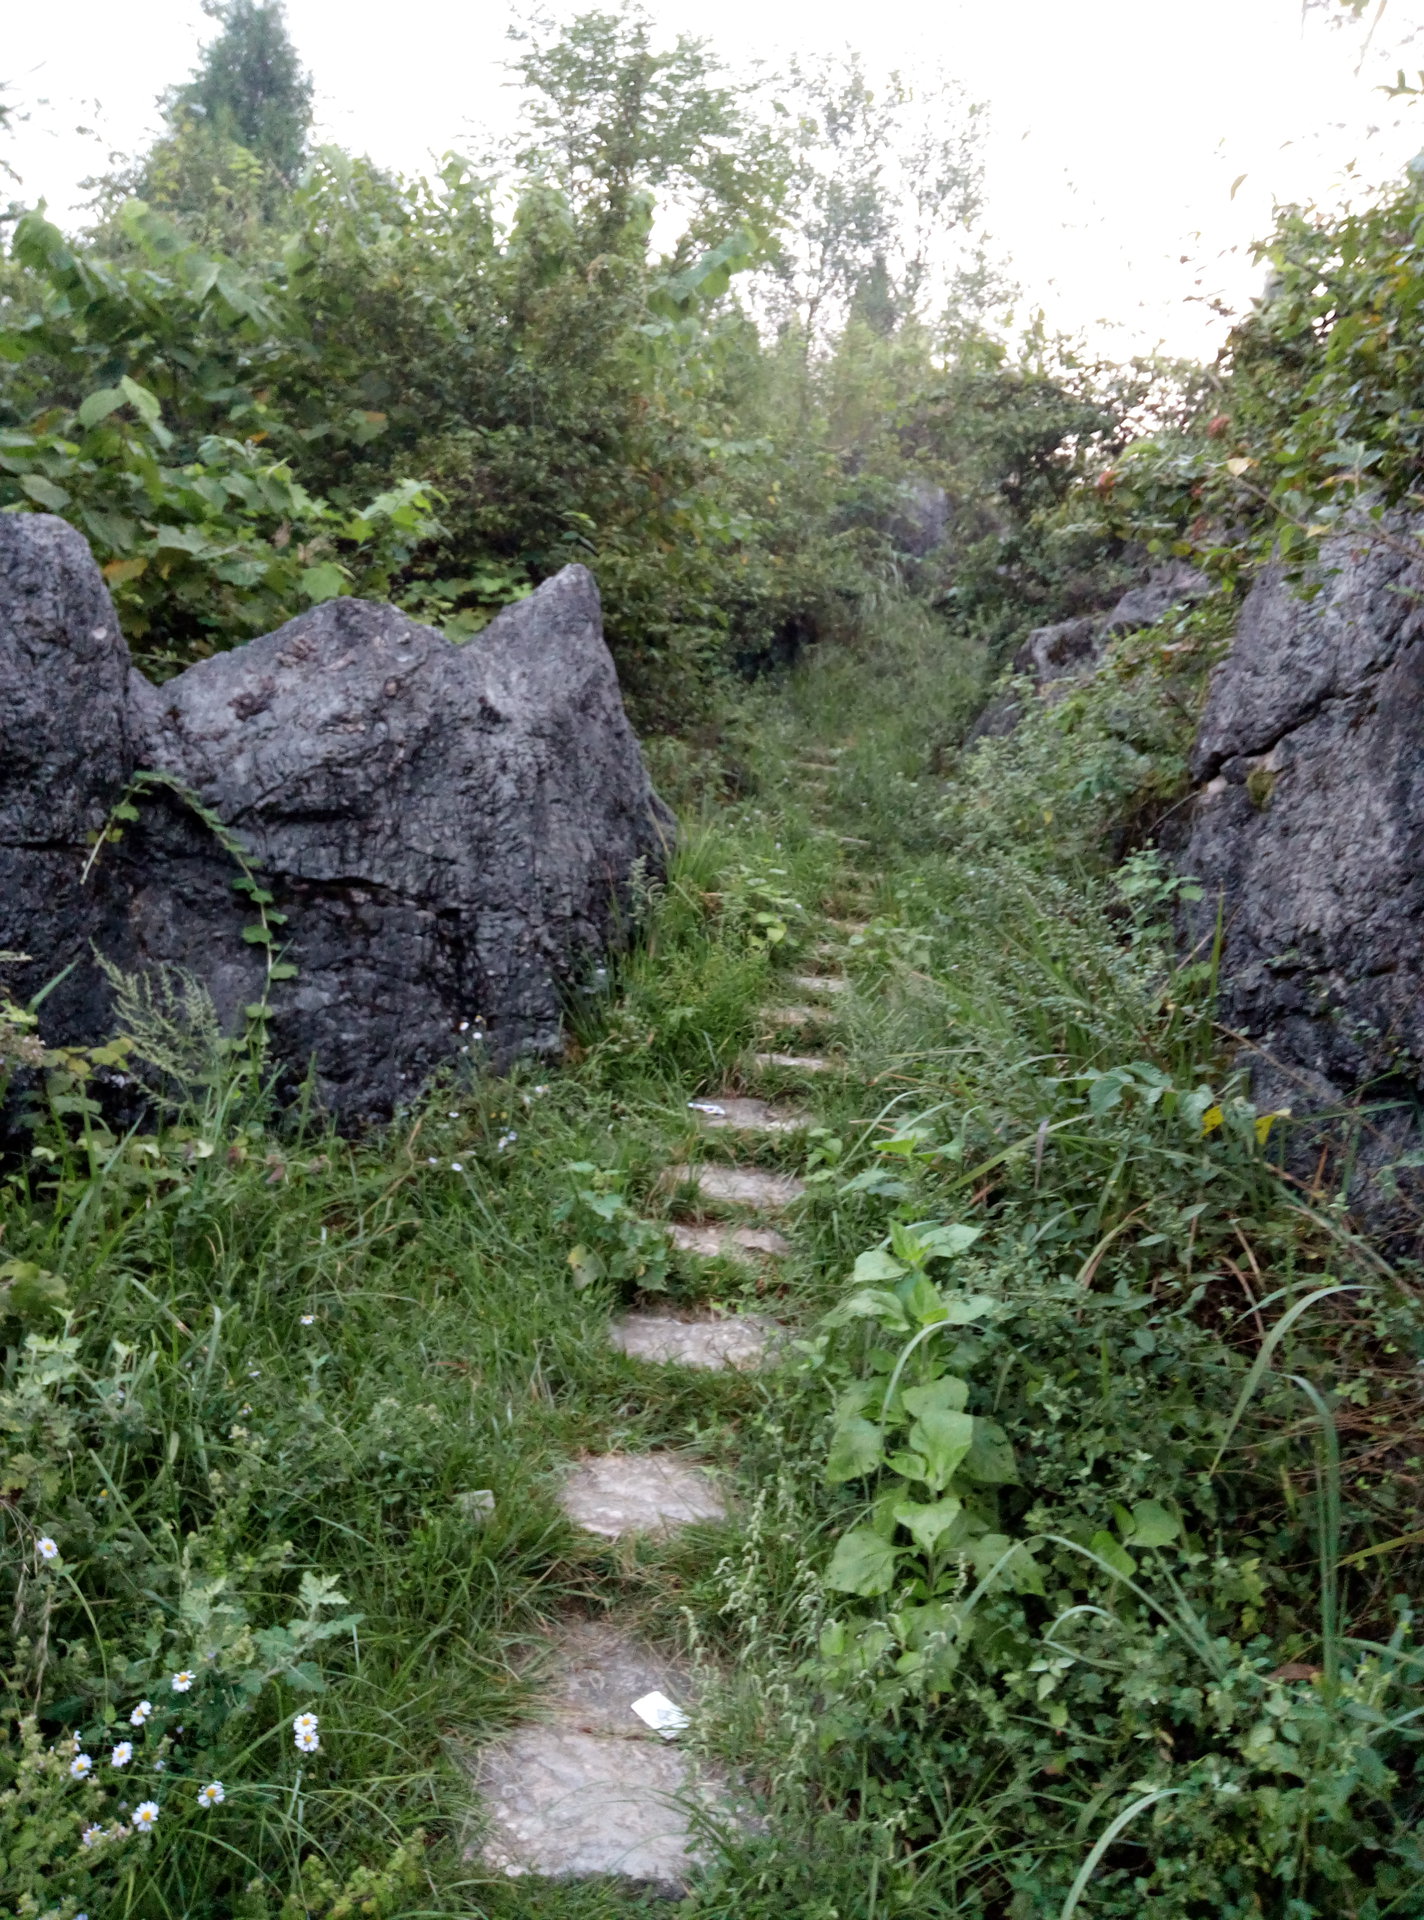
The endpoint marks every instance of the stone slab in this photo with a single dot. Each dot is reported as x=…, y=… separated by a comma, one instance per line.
x=742, y=1186
x=819, y=983
x=591, y=1790
x=739, y=1342
x=795, y=1062
x=617, y=1493
x=737, y=1113
x=792, y=1016
x=730, y=1243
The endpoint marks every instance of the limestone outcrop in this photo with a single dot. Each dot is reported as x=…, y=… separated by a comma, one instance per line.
x=1058, y=657
x=453, y=833
x=1308, y=833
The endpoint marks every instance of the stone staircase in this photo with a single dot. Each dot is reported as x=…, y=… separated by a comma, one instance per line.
x=597, y=1783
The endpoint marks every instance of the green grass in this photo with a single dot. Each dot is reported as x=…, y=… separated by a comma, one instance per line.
x=288, y=1355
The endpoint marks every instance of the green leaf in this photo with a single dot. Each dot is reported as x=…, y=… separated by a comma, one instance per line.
x=856, y=1449
x=1020, y=1572
x=872, y=1303
x=909, y=1466
x=192, y=540
x=257, y=936
x=283, y=970
x=45, y=492
x=877, y=1265
x=961, y=1310
x=947, y=1241
x=30, y=1292
x=323, y=582
x=99, y=405
x=1152, y=1525
x=1107, y=1548
x=927, y=1522
x=862, y=1563
x=944, y=1439
x=948, y=1395
x=990, y=1459
x=321, y=1590
x=144, y=403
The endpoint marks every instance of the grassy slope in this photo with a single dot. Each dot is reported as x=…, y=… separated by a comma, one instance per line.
x=293, y=1357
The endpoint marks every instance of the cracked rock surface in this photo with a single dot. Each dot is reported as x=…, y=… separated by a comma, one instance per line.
x=1309, y=830
x=451, y=831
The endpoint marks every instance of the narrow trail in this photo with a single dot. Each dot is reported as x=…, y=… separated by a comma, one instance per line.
x=595, y=1783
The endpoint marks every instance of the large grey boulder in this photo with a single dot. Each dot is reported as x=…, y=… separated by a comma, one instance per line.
x=1057, y=658
x=453, y=832
x=1309, y=833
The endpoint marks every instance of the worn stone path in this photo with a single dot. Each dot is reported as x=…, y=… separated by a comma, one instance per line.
x=716, y=1238
x=750, y=1187
x=591, y=1788
x=741, y=1114
x=740, y=1341
x=588, y=1787
x=616, y=1493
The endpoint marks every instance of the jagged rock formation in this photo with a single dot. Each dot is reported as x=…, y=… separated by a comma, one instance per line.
x=451, y=831
x=1309, y=831
x=1059, y=657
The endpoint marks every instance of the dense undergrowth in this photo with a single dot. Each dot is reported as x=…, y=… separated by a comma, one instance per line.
x=1074, y=1537
x=1069, y=1562
x=674, y=330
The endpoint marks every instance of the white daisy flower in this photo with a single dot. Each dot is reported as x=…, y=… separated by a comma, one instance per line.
x=81, y=1766
x=48, y=1549
x=145, y=1815
x=305, y=1723
x=91, y=1836
x=432, y=1161
x=212, y=1795
x=308, y=1319
x=182, y=1681
x=122, y=1754
x=452, y=1116
x=140, y=1713
x=307, y=1743
x=457, y=1166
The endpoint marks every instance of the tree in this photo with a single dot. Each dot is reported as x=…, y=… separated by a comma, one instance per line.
x=249, y=87
x=611, y=121
x=886, y=187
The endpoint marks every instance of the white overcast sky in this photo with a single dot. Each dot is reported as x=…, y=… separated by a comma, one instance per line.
x=1117, y=126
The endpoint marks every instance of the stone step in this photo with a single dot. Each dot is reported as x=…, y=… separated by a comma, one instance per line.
x=818, y=984
x=741, y=1114
x=793, y=1016
x=741, y=1186
x=794, y=1062
x=612, y=1494
x=730, y=1243
x=592, y=1789
x=739, y=1341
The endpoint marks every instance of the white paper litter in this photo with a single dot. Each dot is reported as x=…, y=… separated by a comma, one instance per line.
x=660, y=1713
x=708, y=1106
